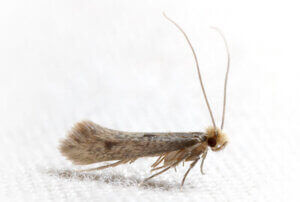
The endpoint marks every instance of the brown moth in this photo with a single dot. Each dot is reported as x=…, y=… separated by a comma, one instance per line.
x=89, y=143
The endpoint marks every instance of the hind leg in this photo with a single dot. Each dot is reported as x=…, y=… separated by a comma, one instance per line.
x=187, y=172
x=107, y=166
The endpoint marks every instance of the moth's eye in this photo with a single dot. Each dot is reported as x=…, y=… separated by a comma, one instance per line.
x=212, y=142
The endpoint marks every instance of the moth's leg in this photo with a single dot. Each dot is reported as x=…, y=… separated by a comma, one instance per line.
x=181, y=156
x=159, y=160
x=177, y=161
x=106, y=166
x=164, y=170
x=157, y=168
x=187, y=172
x=202, y=162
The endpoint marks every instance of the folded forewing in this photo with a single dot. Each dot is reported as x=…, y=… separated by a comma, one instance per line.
x=89, y=143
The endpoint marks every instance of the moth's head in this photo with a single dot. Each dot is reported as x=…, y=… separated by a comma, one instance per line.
x=216, y=139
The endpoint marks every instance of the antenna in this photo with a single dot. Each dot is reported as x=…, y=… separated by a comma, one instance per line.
x=226, y=75
x=198, y=69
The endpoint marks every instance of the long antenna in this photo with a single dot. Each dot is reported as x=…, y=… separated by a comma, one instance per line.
x=226, y=75
x=198, y=69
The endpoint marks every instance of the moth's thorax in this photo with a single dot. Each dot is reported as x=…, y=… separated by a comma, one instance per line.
x=216, y=139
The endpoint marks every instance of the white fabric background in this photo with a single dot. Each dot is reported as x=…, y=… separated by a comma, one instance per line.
x=122, y=65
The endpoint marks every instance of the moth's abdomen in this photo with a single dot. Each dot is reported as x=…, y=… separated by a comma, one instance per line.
x=89, y=143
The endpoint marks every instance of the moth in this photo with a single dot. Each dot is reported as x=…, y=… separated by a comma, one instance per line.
x=89, y=143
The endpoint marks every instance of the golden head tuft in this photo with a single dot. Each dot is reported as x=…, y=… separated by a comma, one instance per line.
x=216, y=139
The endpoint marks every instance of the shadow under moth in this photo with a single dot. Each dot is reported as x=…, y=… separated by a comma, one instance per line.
x=89, y=143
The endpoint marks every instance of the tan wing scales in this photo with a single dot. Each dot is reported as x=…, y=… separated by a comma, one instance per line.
x=89, y=143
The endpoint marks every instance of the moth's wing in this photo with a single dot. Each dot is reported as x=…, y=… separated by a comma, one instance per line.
x=90, y=143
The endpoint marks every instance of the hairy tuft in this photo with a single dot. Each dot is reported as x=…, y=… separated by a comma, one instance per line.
x=77, y=146
x=221, y=138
